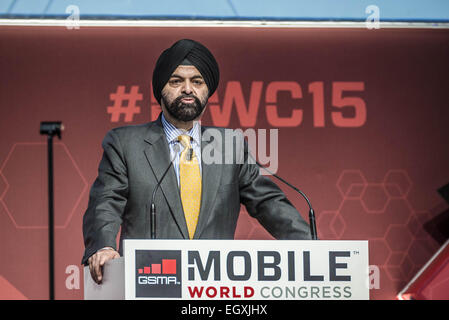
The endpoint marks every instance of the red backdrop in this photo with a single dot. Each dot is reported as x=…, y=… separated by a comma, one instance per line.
x=362, y=118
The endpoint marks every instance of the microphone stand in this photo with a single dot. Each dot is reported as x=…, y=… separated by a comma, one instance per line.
x=153, y=205
x=312, y=221
x=51, y=129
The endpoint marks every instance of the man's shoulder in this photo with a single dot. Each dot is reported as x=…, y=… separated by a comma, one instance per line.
x=222, y=132
x=221, y=129
x=128, y=135
x=131, y=130
x=133, y=127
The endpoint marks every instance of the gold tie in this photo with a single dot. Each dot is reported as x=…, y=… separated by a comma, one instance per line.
x=190, y=184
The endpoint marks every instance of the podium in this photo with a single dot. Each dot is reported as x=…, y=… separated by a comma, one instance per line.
x=235, y=269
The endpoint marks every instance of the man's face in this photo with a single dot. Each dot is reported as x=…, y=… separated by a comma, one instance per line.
x=185, y=94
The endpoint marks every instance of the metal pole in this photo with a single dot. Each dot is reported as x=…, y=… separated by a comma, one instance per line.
x=51, y=128
x=51, y=249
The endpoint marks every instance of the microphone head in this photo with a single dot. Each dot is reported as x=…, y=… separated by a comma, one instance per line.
x=190, y=154
x=51, y=128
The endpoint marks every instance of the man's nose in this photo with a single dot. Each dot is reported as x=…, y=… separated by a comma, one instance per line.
x=187, y=88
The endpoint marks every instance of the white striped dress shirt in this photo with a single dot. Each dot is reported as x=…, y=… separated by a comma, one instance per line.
x=172, y=133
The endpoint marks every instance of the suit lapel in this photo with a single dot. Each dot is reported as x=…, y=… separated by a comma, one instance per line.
x=211, y=177
x=158, y=156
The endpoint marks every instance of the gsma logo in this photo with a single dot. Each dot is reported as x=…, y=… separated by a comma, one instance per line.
x=158, y=274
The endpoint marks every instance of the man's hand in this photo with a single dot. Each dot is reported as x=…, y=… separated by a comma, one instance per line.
x=97, y=261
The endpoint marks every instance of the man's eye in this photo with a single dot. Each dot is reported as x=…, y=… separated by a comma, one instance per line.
x=198, y=82
x=175, y=81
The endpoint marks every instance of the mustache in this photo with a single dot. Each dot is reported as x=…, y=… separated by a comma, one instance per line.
x=197, y=103
x=185, y=96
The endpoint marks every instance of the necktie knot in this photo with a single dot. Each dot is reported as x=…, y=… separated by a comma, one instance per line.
x=185, y=140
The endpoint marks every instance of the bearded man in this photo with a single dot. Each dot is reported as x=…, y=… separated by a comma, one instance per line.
x=197, y=199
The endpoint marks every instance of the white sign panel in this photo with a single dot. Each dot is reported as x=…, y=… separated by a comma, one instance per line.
x=246, y=269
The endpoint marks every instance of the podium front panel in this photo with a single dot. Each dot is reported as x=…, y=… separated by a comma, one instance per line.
x=246, y=269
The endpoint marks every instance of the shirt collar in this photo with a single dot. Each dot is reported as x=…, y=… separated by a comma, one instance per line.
x=172, y=133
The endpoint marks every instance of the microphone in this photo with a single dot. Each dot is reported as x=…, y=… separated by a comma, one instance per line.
x=153, y=205
x=190, y=154
x=312, y=221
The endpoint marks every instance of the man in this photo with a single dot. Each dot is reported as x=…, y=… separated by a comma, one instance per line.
x=197, y=199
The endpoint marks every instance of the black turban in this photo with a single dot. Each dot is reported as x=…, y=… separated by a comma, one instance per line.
x=196, y=54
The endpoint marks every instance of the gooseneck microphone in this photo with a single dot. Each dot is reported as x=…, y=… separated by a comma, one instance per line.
x=312, y=222
x=190, y=154
x=152, y=204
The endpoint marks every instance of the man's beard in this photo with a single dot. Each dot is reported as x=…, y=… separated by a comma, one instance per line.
x=184, y=111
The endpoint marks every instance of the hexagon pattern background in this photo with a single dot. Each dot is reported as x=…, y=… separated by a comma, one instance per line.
x=380, y=212
x=24, y=214
x=29, y=159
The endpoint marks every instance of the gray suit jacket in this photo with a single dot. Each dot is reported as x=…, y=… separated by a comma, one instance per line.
x=135, y=158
